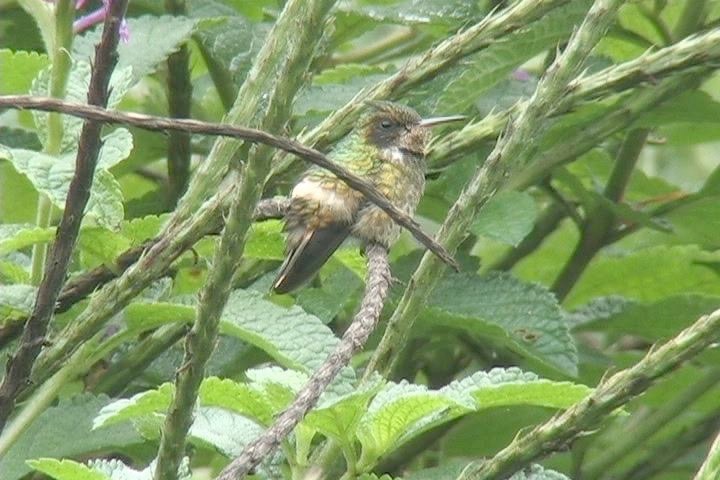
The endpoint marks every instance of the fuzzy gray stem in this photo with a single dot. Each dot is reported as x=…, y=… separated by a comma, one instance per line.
x=376, y=289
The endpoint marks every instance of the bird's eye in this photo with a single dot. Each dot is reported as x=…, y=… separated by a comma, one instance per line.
x=386, y=123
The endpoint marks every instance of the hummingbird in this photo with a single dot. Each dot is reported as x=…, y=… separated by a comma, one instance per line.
x=387, y=146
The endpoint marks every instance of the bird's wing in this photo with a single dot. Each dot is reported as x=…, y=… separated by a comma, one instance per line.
x=311, y=252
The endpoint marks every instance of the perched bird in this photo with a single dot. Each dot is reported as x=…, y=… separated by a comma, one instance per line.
x=387, y=146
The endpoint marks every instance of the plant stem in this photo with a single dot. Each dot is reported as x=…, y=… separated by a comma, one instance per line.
x=200, y=341
x=710, y=469
x=179, y=89
x=138, y=358
x=367, y=52
x=289, y=68
x=600, y=220
x=19, y=366
x=609, y=395
x=376, y=289
x=658, y=458
x=511, y=153
x=648, y=425
x=59, y=74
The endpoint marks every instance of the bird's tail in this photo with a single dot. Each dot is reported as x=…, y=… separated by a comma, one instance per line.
x=311, y=253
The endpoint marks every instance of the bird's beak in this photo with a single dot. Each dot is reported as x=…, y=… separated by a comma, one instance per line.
x=431, y=122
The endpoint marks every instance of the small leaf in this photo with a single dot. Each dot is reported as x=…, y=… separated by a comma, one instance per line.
x=507, y=217
x=146, y=403
x=16, y=237
x=66, y=469
x=152, y=40
x=18, y=69
x=16, y=299
x=398, y=412
x=52, y=175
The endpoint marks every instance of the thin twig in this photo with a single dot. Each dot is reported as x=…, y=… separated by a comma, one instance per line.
x=376, y=289
x=610, y=394
x=149, y=122
x=19, y=366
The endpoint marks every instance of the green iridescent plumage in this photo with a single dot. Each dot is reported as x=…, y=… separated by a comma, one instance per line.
x=387, y=146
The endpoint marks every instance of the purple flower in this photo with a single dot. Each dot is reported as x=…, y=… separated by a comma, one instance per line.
x=97, y=16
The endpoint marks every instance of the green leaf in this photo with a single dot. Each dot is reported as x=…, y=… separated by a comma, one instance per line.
x=76, y=91
x=148, y=403
x=223, y=430
x=152, y=40
x=512, y=386
x=524, y=317
x=266, y=241
x=251, y=400
x=15, y=237
x=337, y=418
x=495, y=62
x=48, y=435
x=694, y=106
x=331, y=96
x=416, y=12
x=16, y=299
x=292, y=337
x=647, y=275
x=66, y=469
x=18, y=69
x=398, y=412
x=52, y=175
x=508, y=217
x=656, y=320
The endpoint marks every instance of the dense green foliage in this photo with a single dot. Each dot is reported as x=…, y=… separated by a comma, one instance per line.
x=605, y=245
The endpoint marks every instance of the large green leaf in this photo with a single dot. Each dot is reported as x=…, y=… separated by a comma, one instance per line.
x=656, y=320
x=415, y=12
x=66, y=469
x=152, y=40
x=18, y=69
x=48, y=435
x=52, y=175
x=16, y=300
x=647, y=275
x=15, y=237
x=401, y=411
x=507, y=217
x=521, y=316
x=292, y=337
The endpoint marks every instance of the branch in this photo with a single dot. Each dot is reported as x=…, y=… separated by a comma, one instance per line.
x=647, y=69
x=19, y=366
x=600, y=220
x=311, y=155
x=710, y=468
x=648, y=425
x=179, y=89
x=200, y=341
x=609, y=395
x=511, y=153
x=376, y=289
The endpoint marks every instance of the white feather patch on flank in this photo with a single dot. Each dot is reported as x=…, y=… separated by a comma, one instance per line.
x=341, y=207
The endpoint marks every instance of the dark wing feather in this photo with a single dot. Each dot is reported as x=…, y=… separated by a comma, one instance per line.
x=313, y=250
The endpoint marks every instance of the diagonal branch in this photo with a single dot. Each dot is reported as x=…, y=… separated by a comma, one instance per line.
x=19, y=366
x=611, y=394
x=311, y=155
x=511, y=153
x=376, y=289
